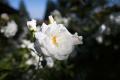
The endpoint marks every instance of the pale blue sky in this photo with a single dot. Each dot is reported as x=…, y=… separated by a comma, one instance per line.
x=112, y=2
x=36, y=8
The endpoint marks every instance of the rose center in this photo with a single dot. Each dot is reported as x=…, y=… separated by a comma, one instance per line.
x=54, y=40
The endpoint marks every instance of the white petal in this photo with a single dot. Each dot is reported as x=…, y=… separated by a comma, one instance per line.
x=51, y=19
x=40, y=36
x=53, y=28
x=77, y=39
x=45, y=52
x=32, y=25
x=44, y=28
x=61, y=57
x=50, y=62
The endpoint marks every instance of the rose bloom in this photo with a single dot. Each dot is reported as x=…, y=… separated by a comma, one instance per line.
x=55, y=41
x=10, y=29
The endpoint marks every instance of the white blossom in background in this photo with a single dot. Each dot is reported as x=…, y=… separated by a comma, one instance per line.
x=111, y=17
x=102, y=28
x=115, y=18
x=9, y=30
x=99, y=39
x=50, y=62
x=55, y=40
x=27, y=44
x=32, y=25
x=5, y=16
x=34, y=60
x=59, y=19
x=99, y=36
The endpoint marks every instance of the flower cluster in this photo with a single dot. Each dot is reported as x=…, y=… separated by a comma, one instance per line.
x=5, y=16
x=10, y=30
x=54, y=40
x=35, y=59
x=59, y=19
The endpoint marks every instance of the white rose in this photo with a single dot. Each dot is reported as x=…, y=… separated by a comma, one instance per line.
x=5, y=16
x=10, y=30
x=56, y=41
